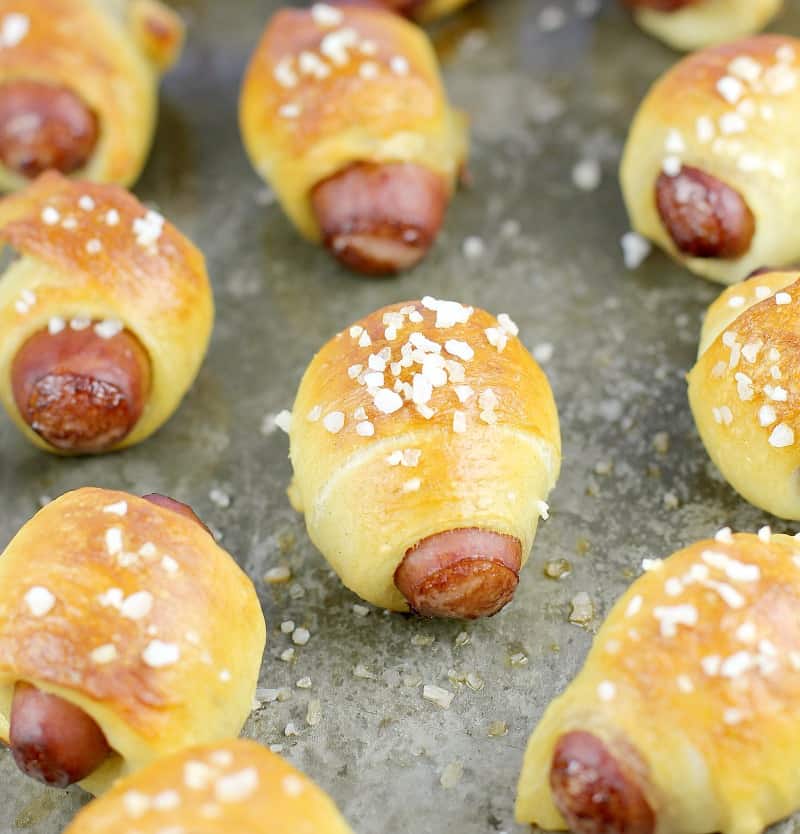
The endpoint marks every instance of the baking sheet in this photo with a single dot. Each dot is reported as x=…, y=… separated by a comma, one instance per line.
x=548, y=85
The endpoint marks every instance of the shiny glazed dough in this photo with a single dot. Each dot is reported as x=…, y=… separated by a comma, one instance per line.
x=742, y=390
x=236, y=787
x=140, y=270
x=697, y=668
x=376, y=471
x=309, y=108
x=729, y=111
x=182, y=671
x=111, y=53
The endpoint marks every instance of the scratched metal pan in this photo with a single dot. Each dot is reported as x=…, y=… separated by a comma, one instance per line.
x=548, y=86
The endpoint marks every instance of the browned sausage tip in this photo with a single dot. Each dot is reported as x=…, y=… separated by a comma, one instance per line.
x=52, y=740
x=462, y=574
x=176, y=507
x=380, y=219
x=79, y=391
x=704, y=217
x=596, y=793
x=44, y=127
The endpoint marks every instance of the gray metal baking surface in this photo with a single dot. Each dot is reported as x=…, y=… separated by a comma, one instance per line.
x=548, y=84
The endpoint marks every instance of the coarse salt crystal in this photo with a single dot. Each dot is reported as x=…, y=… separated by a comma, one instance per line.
x=113, y=539
x=606, y=691
x=586, y=174
x=333, y=421
x=237, y=786
x=137, y=605
x=670, y=617
x=158, y=654
x=635, y=249
x=767, y=415
x=460, y=349
x=704, y=128
x=634, y=606
x=730, y=88
x=782, y=436
x=136, y=804
x=387, y=401
x=671, y=165
x=325, y=15
x=399, y=65
x=301, y=636
x=108, y=328
x=40, y=601
x=436, y=695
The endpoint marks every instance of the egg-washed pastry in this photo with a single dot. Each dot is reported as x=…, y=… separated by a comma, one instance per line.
x=425, y=441
x=709, y=166
x=105, y=316
x=683, y=718
x=235, y=787
x=344, y=113
x=79, y=86
x=117, y=644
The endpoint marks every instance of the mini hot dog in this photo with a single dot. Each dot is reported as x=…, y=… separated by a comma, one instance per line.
x=707, y=165
x=371, y=177
x=682, y=718
x=81, y=105
x=104, y=320
x=424, y=441
x=99, y=637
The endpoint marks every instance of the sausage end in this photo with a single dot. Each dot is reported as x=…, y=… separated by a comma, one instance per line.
x=704, y=217
x=380, y=219
x=44, y=127
x=596, y=793
x=54, y=741
x=461, y=574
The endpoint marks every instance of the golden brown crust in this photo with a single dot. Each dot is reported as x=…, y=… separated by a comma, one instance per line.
x=697, y=668
x=125, y=622
x=742, y=393
x=86, y=48
x=119, y=262
x=467, y=437
x=722, y=112
x=93, y=252
x=236, y=787
x=158, y=30
x=331, y=86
